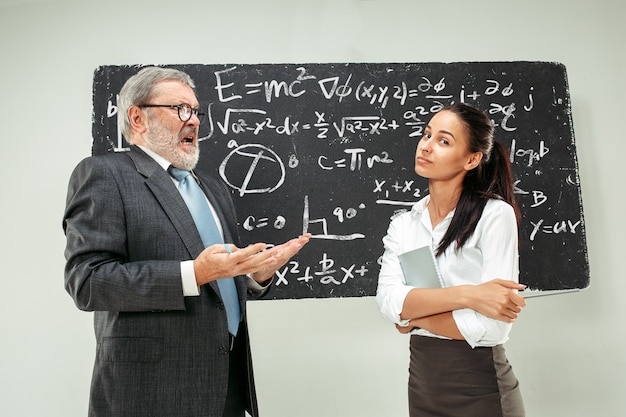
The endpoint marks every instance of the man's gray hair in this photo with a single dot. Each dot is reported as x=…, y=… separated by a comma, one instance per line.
x=140, y=88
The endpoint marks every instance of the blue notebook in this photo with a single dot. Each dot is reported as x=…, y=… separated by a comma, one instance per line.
x=420, y=268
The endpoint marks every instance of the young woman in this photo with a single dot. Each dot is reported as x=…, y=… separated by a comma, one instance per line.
x=458, y=366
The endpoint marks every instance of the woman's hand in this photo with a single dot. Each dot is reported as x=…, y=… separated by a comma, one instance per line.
x=497, y=299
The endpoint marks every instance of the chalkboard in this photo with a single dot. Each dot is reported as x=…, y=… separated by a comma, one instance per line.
x=329, y=149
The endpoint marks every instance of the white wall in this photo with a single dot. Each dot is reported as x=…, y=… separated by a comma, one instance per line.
x=313, y=357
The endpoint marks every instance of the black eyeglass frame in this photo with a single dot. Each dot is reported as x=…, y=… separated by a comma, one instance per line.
x=179, y=107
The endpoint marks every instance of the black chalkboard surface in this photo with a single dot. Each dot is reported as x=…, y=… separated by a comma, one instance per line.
x=329, y=149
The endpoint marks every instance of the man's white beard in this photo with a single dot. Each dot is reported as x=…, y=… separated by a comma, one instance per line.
x=162, y=142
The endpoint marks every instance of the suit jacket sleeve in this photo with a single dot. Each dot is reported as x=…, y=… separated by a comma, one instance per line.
x=120, y=255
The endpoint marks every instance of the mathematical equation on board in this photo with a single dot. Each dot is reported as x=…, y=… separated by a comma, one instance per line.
x=337, y=90
x=237, y=120
x=299, y=131
x=328, y=272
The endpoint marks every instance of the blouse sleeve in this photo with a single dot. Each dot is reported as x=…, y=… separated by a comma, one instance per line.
x=392, y=290
x=498, y=244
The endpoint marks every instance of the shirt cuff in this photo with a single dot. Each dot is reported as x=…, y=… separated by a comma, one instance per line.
x=190, y=287
x=255, y=286
x=392, y=302
x=469, y=326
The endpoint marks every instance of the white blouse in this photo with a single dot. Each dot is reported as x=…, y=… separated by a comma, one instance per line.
x=491, y=252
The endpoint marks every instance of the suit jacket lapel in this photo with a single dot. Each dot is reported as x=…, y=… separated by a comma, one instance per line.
x=164, y=190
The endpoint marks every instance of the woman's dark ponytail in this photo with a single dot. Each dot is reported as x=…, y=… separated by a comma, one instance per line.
x=499, y=176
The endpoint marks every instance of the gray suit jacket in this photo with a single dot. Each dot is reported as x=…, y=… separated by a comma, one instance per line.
x=158, y=353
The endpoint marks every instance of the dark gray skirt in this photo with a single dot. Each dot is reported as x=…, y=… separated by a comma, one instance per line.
x=447, y=378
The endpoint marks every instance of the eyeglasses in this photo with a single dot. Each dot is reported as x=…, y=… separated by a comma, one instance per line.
x=185, y=111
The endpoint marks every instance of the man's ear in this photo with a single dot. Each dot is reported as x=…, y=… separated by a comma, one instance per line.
x=138, y=120
x=473, y=161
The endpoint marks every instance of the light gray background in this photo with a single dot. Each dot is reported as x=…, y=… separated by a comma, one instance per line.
x=313, y=357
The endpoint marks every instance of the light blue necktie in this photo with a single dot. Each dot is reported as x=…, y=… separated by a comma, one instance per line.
x=210, y=234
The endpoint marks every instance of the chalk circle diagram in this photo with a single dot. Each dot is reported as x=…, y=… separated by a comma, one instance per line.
x=265, y=173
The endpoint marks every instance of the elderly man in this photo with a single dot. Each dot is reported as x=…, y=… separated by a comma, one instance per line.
x=152, y=249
